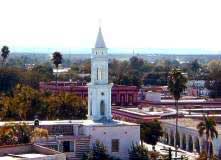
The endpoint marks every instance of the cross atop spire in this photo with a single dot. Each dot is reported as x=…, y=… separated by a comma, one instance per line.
x=100, y=40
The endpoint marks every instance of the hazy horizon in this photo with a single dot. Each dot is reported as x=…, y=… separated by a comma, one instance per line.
x=176, y=51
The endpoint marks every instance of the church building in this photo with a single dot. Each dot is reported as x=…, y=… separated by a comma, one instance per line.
x=99, y=90
x=76, y=137
x=117, y=136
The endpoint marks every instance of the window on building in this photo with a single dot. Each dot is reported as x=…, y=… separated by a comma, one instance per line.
x=68, y=146
x=97, y=73
x=115, y=145
x=102, y=108
x=91, y=107
x=102, y=74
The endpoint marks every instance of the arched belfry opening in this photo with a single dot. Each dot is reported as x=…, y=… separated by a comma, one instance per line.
x=100, y=73
x=102, y=108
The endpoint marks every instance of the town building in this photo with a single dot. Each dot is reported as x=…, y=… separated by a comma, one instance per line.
x=121, y=95
x=197, y=88
x=117, y=136
x=188, y=136
x=136, y=115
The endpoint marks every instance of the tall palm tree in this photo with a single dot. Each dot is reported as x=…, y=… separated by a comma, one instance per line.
x=208, y=127
x=195, y=67
x=57, y=59
x=4, y=53
x=176, y=85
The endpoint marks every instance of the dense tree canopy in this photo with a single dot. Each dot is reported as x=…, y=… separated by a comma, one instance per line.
x=135, y=71
x=25, y=103
x=66, y=106
x=214, y=78
x=11, y=76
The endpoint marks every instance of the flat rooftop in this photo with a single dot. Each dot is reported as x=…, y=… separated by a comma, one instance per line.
x=22, y=156
x=73, y=122
x=183, y=101
x=108, y=123
x=188, y=123
x=28, y=151
x=54, y=122
x=149, y=111
x=202, y=109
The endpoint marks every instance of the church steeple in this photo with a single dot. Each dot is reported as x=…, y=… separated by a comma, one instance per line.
x=100, y=40
x=99, y=90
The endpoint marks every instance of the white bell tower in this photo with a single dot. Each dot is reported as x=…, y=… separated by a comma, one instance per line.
x=99, y=91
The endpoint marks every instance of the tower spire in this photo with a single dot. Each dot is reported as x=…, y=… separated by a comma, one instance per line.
x=100, y=40
x=99, y=90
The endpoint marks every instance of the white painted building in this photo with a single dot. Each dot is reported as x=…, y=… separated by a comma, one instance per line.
x=99, y=91
x=188, y=136
x=117, y=136
x=152, y=96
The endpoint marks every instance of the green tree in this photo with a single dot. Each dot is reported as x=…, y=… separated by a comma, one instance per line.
x=43, y=72
x=136, y=63
x=66, y=106
x=138, y=152
x=20, y=133
x=208, y=128
x=176, y=85
x=9, y=78
x=214, y=82
x=4, y=53
x=156, y=78
x=98, y=152
x=24, y=103
x=57, y=59
x=195, y=67
x=151, y=132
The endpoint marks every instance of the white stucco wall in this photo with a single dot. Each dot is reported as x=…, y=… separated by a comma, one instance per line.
x=127, y=134
x=187, y=131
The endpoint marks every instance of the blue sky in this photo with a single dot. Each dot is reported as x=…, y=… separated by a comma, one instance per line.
x=35, y=25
